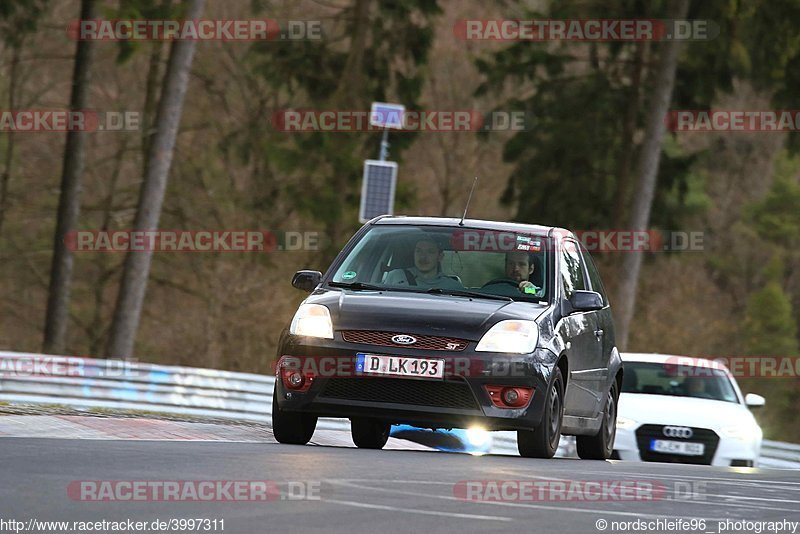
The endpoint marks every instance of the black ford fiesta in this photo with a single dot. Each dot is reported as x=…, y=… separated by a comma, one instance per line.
x=442, y=323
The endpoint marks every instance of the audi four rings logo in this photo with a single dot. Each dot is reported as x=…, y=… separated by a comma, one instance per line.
x=678, y=432
x=403, y=339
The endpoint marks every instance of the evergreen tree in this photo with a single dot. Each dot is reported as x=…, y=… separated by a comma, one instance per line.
x=769, y=328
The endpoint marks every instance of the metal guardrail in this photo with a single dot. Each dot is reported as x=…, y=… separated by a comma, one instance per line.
x=779, y=455
x=95, y=383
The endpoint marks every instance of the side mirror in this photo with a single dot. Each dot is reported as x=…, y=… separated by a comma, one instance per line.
x=583, y=301
x=754, y=401
x=306, y=280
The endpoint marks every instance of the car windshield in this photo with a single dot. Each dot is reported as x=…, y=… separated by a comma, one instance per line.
x=472, y=262
x=679, y=381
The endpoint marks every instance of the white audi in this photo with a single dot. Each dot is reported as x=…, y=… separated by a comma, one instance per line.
x=685, y=410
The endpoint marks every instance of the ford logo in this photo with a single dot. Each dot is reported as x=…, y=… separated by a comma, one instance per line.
x=403, y=339
x=678, y=432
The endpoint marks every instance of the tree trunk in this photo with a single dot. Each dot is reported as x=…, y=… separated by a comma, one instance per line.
x=151, y=97
x=127, y=312
x=55, y=329
x=647, y=171
x=13, y=80
x=105, y=273
x=628, y=128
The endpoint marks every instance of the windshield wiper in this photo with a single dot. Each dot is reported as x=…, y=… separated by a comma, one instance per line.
x=356, y=285
x=463, y=293
x=361, y=286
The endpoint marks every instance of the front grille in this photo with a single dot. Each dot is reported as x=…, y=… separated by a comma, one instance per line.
x=646, y=433
x=413, y=392
x=384, y=339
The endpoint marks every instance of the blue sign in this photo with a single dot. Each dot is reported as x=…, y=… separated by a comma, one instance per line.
x=386, y=115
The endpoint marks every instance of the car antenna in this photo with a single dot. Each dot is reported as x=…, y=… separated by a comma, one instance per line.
x=468, y=201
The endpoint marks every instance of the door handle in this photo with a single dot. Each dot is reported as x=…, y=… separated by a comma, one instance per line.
x=598, y=333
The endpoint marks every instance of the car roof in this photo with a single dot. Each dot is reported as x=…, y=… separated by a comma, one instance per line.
x=671, y=358
x=534, y=229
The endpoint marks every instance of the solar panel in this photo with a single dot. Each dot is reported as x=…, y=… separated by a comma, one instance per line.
x=377, y=189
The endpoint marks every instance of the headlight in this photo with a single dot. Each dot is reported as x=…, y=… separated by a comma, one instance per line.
x=738, y=432
x=625, y=423
x=312, y=320
x=518, y=337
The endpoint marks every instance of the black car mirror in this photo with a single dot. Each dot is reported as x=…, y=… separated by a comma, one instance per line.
x=306, y=280
x=583, y=301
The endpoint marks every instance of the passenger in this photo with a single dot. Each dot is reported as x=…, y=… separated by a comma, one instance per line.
x=427, y=269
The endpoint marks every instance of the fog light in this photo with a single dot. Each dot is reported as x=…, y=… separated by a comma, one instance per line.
x=510, y=396
x=477, y=436
x=295, y=380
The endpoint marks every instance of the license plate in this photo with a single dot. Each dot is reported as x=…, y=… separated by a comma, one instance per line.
x=677, y=447
x=374, y=364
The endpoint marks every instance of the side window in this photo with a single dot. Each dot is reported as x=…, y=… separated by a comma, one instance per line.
x=594, y=276
x=571, y=269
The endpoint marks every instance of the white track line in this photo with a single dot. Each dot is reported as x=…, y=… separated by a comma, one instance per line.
x=417, y=511
x=523, y=505
x=725, y=480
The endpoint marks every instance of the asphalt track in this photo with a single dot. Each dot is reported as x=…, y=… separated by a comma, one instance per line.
x=411, y=490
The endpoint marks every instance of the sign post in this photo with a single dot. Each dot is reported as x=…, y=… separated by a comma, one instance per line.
x=380, y=176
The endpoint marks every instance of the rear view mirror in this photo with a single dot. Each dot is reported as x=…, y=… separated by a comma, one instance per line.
x=306, y=280
x=754, y=401
x=583, y=301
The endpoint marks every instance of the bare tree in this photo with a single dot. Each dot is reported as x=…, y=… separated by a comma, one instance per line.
x=127, y=312
x=55, y=328
x=18, y=20
x=647, y=171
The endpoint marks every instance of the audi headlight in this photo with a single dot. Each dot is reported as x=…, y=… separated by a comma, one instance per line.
x=517, y=337
x=312, y=320
x=625, y=423
x=739, y=431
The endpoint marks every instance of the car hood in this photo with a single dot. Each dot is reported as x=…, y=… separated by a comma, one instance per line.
x=415, y=313
x=682, y=411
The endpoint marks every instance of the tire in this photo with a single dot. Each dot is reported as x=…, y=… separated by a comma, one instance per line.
x=369, y=433
x=601, y=445
x=543, y=441
x=289, y=427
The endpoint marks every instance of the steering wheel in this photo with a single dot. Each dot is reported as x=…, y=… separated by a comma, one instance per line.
x=512, y=283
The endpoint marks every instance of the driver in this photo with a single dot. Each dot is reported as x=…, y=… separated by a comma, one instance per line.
x=519, y=268
x=696, y=387
x=427, y=269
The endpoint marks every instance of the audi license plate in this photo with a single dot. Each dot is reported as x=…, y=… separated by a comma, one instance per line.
x=677, y=447
x=374, y=364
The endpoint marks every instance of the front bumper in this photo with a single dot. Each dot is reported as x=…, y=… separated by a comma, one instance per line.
x=729, y=451
x=458, y=401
